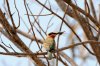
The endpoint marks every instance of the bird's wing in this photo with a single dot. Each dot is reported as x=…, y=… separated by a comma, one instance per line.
x=52, y=46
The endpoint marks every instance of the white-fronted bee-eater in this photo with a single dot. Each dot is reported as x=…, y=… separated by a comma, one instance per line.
x=49, y=43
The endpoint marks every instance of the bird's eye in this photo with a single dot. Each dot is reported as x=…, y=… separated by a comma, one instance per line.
x=51, y=33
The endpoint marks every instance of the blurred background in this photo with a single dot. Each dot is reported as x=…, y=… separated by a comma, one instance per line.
x=45, y=17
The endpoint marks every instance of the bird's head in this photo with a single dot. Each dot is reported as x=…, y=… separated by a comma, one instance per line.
x=53, y=34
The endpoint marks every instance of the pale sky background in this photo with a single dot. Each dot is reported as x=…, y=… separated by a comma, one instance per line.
x=35, y=7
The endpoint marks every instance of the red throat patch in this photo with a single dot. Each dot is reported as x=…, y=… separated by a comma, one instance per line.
x=53, y=36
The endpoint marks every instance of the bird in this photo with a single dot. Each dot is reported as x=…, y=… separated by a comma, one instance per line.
x=49, y=43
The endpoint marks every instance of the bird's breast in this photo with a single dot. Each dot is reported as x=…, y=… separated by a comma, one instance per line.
x=47, y=43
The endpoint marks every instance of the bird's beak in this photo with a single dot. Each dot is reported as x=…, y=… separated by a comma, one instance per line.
x=60, y=33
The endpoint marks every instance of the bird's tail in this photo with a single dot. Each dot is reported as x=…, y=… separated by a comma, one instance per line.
x=49, y=55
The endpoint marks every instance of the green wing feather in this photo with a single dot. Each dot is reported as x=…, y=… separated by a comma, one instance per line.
x=52, y=47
